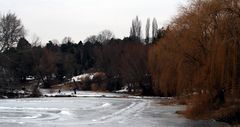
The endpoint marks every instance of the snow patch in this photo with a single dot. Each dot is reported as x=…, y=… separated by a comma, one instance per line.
x=33, y=117
x=65, y=112
x=106, y=105
x=21, y=122
x=81, y=78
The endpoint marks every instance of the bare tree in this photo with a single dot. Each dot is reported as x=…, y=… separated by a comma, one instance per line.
x=105, y=35
x=36, y=41
x=55, y=41
x=154, y=29
x=91, y=39
x=11, y=29
x=66, y=40
x=147, y=31
x=134, y=64
x=135, y=31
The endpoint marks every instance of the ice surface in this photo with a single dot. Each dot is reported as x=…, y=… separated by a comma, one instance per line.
x=93, y=112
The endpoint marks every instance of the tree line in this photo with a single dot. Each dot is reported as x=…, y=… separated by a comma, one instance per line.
x=123, y=60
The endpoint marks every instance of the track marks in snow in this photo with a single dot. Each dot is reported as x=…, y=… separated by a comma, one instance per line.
x=134, y=109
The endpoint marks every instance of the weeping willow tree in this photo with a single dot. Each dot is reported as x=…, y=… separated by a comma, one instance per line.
x=200, y=53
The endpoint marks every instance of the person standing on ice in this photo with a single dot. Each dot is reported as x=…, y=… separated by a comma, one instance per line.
x=75, y=91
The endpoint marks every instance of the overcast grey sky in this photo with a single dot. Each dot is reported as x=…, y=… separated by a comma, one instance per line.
x=55, y=19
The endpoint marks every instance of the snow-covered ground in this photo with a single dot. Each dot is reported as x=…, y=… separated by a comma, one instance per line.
x=93, y=112
x=46, y=92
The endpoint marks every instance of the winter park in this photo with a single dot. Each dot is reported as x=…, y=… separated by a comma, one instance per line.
x=121, y=63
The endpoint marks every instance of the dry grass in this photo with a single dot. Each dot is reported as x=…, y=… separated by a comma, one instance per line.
x=229, y=114
x=198, y=107
x=173, y=101
x=169, y=101
x=202, y=107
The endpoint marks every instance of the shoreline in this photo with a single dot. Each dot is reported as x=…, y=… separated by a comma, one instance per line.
x=165, y=101
x=213, y=115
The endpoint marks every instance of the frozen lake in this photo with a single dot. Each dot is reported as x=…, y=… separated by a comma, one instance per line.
x=93, y=112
